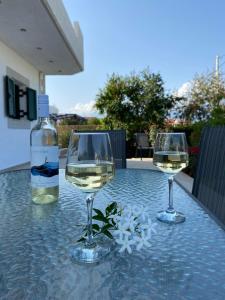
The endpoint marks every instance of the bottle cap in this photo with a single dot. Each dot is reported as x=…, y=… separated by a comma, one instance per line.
x=43, y=106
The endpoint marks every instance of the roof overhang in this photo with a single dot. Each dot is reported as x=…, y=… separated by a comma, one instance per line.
x=41, y=32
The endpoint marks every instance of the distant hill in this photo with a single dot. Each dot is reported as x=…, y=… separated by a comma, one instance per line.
x=70, y=119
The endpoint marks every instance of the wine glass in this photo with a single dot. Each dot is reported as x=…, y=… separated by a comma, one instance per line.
x=170, y=156
x=89, y=167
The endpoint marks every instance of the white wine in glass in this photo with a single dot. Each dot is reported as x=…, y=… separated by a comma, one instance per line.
x=170, y=156
x=89, y=176
x=170, y=162
x=89, y=167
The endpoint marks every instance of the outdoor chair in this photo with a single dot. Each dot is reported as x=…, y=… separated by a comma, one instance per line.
x=118, y=144
x=209, y=182
x=142, y=143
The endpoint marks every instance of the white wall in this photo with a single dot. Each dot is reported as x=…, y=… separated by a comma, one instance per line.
x=14, y=143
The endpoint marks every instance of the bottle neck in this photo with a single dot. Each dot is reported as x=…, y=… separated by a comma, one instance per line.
x=42, y=119
x=43, y=110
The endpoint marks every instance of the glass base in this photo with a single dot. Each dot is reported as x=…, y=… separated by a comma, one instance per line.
x=82, y=253
x=173, y=217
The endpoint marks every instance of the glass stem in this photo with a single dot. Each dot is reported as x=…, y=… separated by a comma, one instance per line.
x=89, y=200
x=170, y=182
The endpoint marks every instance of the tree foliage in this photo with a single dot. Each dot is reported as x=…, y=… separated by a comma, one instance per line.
x=217, y=116
x=94, y=121
x=205, y=95
x=134, y=102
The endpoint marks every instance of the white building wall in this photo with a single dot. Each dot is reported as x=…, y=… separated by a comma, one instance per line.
x=14, y=143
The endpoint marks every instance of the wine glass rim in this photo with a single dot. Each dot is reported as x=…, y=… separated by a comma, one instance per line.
x=171, y=133
x=88, y=133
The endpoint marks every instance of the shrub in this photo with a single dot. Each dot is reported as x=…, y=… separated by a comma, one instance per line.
x=196, y=133
x=64, y=136
x=193, y=135
x=187, y=129
x=64, y=132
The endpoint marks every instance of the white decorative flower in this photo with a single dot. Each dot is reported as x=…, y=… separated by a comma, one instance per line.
x=142, y=240
x=149, y=226
x=144, y=215
x=137, y=211
x=131, y=223
x=120, y=219
x=133, y=227
x=121, y=233
x=126, y=243
x=127, y=211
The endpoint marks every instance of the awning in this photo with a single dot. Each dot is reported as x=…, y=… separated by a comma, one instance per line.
x=41, y=32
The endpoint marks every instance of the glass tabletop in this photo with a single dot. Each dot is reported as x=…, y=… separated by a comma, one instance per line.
x=185, y=261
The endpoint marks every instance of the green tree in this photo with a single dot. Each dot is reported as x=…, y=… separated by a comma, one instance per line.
x=94, y=121
x=217, y=116
x=134, y=102
x=205, y=95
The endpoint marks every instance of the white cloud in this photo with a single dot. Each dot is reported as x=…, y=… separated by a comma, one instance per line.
x=84, y=109
x=184, y=90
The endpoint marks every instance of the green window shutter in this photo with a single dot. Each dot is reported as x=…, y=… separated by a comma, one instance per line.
x=12, y=99
x=31, y=104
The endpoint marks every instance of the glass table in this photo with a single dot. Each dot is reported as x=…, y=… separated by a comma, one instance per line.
x=186, y=261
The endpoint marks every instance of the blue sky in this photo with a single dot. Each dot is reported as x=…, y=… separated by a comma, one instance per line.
x=177, y=38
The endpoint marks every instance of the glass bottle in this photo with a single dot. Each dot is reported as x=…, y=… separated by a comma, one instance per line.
x=44, y=156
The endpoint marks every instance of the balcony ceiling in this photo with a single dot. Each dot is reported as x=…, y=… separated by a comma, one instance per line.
x=41, y=32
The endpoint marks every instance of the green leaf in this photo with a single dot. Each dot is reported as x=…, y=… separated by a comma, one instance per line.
x=108, y=234
x=98, y=212
x=106, y=227
x=82, y=239
x=110, y=208
x=104, y=230
x=95, y=227
x=100, y=218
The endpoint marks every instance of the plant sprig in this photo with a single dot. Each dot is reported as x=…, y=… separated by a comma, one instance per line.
x=131, y=226
x=107, y=222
